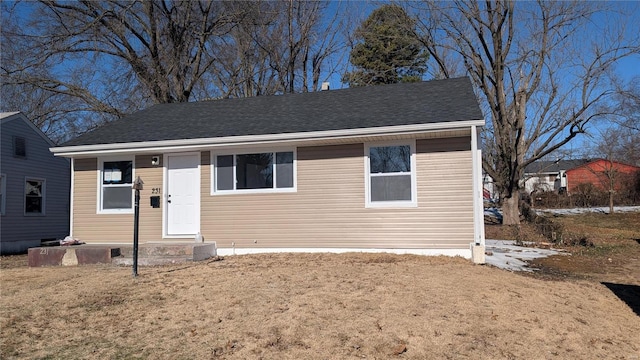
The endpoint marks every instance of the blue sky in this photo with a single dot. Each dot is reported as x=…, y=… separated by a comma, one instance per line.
x=626, y=68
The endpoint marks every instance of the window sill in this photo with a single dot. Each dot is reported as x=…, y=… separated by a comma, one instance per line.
x=115, y=212
x=391, y=205
x=254, y=191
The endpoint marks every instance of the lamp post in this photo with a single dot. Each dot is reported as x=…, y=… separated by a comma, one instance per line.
x=137, y=186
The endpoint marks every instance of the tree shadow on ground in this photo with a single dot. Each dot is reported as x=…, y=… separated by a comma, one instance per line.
x=630, y=294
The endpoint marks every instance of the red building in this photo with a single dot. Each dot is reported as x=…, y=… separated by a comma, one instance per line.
x=601, y=173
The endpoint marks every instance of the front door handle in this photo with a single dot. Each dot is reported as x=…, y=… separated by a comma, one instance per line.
x=169, y=199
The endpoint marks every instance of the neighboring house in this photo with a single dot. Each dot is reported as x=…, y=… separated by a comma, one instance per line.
x=489, y=192
x=381, y=168
x=602, y=174
x=34, y=186
x=549, y=175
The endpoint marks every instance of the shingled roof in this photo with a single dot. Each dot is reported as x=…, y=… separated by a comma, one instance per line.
x=428, y=102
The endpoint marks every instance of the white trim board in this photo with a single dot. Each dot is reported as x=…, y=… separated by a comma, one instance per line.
x=287, y=139
x=465, y=253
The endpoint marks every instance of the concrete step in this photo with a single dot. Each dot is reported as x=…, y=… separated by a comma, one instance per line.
x=150, y=250
x=151, y=261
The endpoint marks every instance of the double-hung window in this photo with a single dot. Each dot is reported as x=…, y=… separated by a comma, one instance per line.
x=34, y=190
x=390, y=174
x=254, y=172
x=115, y=182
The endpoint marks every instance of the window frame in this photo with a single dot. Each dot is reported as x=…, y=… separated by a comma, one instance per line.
x=413, y=173
x=43, y=196
x=3, y=191
x=214, y=172
x=99, y=202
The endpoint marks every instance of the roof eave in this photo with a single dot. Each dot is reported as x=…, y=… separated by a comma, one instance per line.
x=248, y=140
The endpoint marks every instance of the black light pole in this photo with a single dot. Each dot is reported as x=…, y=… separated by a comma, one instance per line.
x=137, y=186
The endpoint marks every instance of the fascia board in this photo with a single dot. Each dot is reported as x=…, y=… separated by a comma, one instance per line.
x=248, y=140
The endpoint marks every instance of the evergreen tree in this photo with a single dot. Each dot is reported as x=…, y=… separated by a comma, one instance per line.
x=387, y=51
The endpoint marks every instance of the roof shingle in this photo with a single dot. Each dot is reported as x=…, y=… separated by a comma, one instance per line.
x=364, y=107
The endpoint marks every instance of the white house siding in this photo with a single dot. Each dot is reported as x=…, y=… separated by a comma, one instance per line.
x=328, y=209
x=19, y=231
x=540, y=182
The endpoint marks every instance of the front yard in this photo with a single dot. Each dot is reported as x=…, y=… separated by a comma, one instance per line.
x=295, y=306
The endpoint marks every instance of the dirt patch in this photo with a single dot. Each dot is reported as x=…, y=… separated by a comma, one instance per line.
x=611, y=254
x=523, y=232
x=292, y=306
x=603, y=247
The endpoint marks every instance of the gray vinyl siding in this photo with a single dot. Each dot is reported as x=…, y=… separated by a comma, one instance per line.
x=19, y=231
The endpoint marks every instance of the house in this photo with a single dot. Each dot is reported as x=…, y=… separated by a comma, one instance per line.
x=383, y=168
x=549, y=175
x=602, y=174
x=34, y=186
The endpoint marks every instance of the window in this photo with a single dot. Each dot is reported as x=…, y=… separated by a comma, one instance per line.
x=257, y=172
x=116, y=179
x=19, y=146
x=34, y=197
x=390, y=178
x=3, y=190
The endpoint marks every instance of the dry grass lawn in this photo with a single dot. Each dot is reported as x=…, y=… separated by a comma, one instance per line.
x=309, y=306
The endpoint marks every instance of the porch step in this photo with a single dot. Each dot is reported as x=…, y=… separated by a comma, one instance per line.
x=145, y=250
x=151, y=261
x=161, y=254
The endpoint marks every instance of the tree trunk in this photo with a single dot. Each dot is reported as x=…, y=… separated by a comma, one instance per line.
x=510, y=210
x=610, y=201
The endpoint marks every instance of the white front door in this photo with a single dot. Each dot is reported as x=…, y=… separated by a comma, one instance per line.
x=183, y=194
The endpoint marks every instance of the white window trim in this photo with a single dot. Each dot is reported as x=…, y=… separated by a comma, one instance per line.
x=3, y=191
x=43, y=210
x=214, y=169
x=101, y=162
x=367, y=176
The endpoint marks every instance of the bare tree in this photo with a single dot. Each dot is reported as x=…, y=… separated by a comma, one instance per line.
x=539, y=74
x=109, y=57
x=280, y=47
x=616, y=145
x=628, y=100
x=606, y=171
x=83, y=63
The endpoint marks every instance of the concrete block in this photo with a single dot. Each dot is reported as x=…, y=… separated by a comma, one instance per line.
x=477, y=254
x=95, y=255
x=70, y=258
x=204, y=251
x=46, y=256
